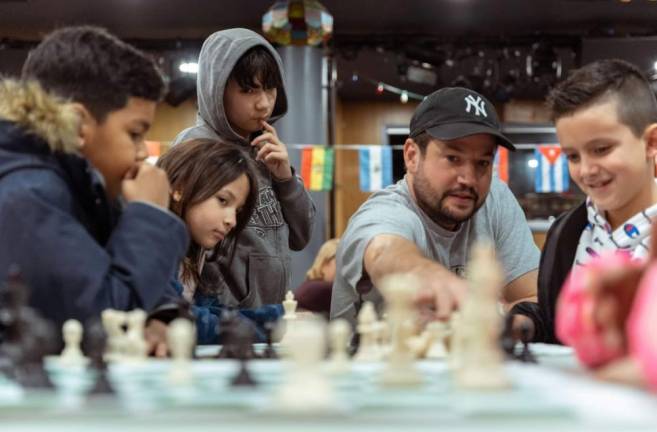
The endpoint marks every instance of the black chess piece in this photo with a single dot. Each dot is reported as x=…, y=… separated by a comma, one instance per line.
x=94, y=345
x=244, y=336
x=526, y=356
x=227, y=338
x=507, y=340
x=26, y=337
x=270, y=352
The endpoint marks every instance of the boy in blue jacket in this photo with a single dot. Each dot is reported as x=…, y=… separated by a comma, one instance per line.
x=82, y=216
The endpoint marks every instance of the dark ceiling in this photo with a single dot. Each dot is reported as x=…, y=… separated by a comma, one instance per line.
x=449, y=18
x=482, y=43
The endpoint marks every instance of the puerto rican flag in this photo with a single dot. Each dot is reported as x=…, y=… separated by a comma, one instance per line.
x=375, y=167
x=552, y=170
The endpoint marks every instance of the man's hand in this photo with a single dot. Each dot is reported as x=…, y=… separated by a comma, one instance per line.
x=155, y=334
x=146, y=183
x=441, y=292
x=273, y=153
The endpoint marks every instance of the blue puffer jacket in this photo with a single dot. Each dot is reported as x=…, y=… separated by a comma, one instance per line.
x=208, y=312
x=78, y=253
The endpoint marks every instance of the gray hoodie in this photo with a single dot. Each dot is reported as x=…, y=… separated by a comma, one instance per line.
x=260, y=270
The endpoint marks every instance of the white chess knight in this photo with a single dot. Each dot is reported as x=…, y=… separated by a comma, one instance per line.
x=398, y=291
x=290, y=306
x=135, y=344
x=181, y=339
x=368, y=347
x=72, y=354
x=113, y=322
x=480, y=360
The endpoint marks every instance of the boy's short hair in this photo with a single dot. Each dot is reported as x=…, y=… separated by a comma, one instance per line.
x=91, y=66
x=604, y=80
x=257, y=63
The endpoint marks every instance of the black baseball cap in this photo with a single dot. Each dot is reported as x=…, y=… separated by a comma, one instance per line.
x=456, y=112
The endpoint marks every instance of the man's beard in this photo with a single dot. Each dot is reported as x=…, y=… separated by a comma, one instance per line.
x=435, y=207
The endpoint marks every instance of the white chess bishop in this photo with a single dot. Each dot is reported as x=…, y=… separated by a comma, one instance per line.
x=339, y=334
x=368, y=347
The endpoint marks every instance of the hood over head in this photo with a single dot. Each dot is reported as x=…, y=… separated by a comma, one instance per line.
x=219, y=54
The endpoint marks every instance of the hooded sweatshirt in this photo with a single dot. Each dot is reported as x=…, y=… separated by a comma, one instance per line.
x=78, y=252
x=259, y=272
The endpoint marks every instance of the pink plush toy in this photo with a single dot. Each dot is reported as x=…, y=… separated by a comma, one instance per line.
x=574, y=317
x=642, y=326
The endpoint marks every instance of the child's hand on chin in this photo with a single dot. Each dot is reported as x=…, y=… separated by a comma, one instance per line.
x=273, y=153
x=146, y=183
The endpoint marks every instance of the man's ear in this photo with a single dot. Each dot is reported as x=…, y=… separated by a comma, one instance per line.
x=411, y=155
x=87, y=125
x=650, y=137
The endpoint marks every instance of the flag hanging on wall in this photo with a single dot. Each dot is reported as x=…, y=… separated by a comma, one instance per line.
x=317, y=168
x=154, y=149
x=375, y=167
x=552, y=170
x=501, y=164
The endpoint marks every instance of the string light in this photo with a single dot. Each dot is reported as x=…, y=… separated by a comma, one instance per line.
x=381, y=87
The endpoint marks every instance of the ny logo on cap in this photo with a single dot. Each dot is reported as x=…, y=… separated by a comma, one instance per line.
x=478, y=105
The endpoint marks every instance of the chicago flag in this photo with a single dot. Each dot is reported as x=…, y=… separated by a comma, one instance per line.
x=552, y=170
x=375, y=167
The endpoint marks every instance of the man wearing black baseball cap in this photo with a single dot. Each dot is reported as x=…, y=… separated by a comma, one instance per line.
x=427, y=222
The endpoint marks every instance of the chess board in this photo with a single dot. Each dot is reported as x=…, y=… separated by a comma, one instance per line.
x=554, y=394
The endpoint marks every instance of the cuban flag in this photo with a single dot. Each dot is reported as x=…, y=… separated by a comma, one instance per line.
x=552, y=170
x=375, y=167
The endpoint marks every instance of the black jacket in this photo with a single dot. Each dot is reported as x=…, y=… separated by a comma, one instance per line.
x=557, y=259
x=78, y=253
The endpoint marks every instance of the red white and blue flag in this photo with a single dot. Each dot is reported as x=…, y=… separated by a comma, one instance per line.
x=552, y=170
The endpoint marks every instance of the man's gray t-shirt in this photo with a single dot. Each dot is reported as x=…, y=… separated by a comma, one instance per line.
x=393, y=211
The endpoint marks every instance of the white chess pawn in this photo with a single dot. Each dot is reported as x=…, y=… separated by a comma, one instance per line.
x=339, y=333
x=290, y=306
x=72, y=335
x=181, y=339
x=136, y=348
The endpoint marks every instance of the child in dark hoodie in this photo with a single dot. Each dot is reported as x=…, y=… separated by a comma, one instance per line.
x=71, y=148
x=240, y=94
